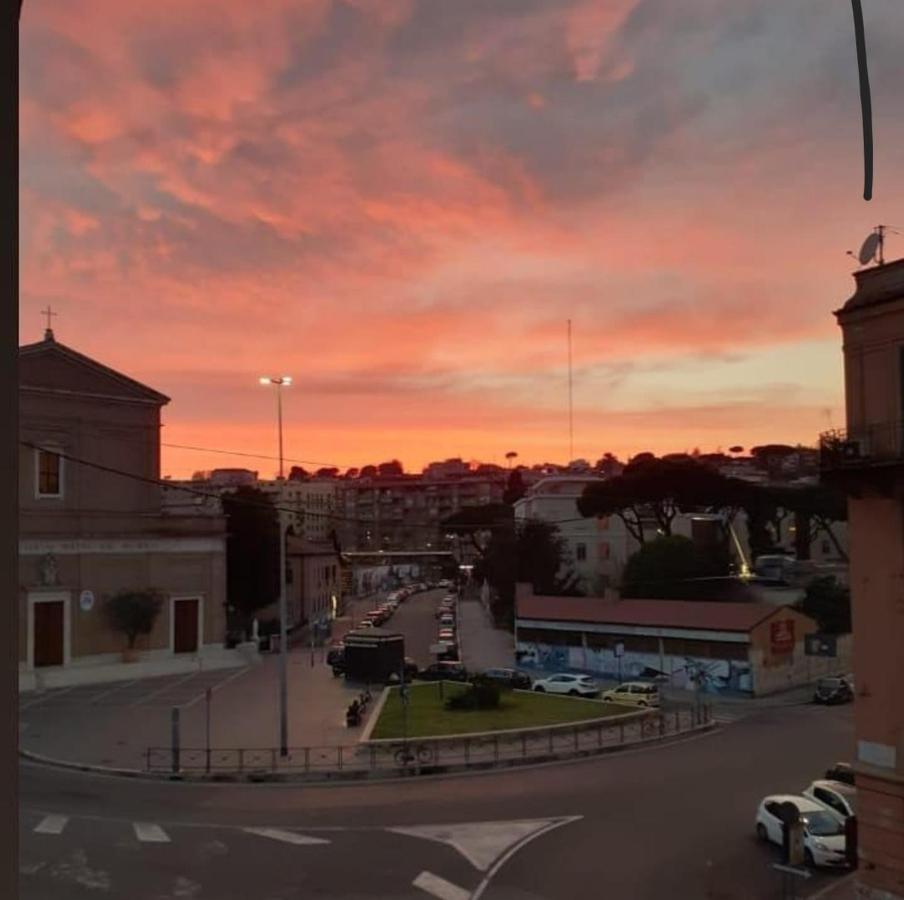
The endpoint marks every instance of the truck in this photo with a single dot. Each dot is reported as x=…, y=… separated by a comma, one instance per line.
x=371, y=655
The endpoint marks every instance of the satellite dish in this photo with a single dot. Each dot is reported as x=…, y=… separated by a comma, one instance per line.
x=869, y=248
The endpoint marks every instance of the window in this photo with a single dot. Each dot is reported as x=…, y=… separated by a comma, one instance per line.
x=604, y=550
x=826, y=547
x=580, y=552
x=49, y=468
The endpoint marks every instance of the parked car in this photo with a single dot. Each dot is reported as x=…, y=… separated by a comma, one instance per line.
x=824, y=840
x=446, y=634
x=444, y=671
x=842, y=772
x=634, y=693
x=447, y=619
x=367, y=623
x=509, y=678
x=574, y=685
x=833, y=690
x=411, y=672
x=837, y=796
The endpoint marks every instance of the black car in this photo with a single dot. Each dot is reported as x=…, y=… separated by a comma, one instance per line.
x=444, y=671
x=334, y=656
x=842, y=772
x=509, y=678
x=411, y=672
x=833, y=690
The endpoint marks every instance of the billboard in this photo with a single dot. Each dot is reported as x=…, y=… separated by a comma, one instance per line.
x=781, y=636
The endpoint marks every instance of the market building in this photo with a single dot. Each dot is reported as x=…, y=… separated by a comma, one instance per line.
x=716, y=647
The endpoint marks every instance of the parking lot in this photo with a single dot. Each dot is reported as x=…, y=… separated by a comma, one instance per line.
x=164, y=692
x=114, y=723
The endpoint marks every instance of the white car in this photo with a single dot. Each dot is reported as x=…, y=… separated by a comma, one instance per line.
x=634, y=693
x=574, y=685
x=839, y=797
x=823, y=831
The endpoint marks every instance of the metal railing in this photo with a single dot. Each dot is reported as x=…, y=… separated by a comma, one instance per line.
x=433, y=754
x=877, y=443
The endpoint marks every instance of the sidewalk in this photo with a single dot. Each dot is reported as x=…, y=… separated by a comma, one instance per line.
x=482, y=645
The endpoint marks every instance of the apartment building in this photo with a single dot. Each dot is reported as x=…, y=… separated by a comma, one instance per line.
x=867, y=461
x=405, y=512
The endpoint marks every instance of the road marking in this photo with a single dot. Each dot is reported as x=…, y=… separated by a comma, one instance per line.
x=478, y=893
x=480, y=843
x=150, y=833
x=290, y=837
x=165, y=689
x=217, y=685
x=51, y=825
x=439, y=887
x=117, y=687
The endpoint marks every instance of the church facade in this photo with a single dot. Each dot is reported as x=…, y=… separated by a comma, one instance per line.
x=92, y=524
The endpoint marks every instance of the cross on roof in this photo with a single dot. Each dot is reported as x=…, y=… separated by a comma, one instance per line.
x=48, y=312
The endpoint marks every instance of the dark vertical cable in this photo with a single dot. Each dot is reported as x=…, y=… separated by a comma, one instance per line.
x=866, y=105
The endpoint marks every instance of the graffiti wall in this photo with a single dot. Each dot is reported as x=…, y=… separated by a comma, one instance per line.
x=710, y=675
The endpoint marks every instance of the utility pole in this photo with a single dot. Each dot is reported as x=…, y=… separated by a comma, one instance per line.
x=570, y=401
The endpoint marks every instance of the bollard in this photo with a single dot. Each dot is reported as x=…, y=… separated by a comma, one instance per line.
x=175, y=737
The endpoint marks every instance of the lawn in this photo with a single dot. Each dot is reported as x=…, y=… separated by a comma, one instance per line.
x=428, y=716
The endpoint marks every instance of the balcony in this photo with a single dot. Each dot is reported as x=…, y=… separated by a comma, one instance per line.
x=871, y=454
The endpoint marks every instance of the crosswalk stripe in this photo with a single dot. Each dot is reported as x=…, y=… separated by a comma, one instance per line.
x=290, y=837
x=52, y=825
x=439, y=887
x=150, y=833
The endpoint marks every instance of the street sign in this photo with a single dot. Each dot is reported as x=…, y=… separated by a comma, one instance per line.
x=619, y=649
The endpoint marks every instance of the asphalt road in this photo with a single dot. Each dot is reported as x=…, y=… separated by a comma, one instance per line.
x=668, y=822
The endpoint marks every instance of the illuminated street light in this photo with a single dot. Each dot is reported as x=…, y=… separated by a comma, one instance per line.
x=281, y=382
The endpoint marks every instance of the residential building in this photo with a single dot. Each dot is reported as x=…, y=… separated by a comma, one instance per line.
x=867, y=461
x=92, y=522
x=715, y=646
x=405, y=512
x=314, y=502
x=596, y=549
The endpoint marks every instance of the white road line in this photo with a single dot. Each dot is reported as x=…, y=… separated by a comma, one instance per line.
x=439, y=887
x=290, y=837
x=145, y=697
x=51, y=825
x=150, y=833
x=112, y=690
x=215, y=687
x=478, y=893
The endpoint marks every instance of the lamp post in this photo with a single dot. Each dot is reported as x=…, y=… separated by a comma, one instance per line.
x=280, y=383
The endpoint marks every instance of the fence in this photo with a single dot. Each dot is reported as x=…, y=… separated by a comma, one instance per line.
x=431, y=755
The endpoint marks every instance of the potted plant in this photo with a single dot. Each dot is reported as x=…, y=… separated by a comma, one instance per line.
x=133, y=613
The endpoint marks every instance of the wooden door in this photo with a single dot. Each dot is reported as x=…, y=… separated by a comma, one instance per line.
x=185, y=626
x=48, y=636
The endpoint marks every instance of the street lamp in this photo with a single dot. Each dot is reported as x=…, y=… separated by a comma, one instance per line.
x=280, y=383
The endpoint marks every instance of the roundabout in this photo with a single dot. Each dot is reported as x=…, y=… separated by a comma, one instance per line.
x=669, y=820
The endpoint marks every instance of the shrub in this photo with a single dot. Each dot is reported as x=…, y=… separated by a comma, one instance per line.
x=481, y=693
x=133, y=612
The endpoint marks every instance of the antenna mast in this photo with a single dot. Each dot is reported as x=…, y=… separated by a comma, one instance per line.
x=570, y=401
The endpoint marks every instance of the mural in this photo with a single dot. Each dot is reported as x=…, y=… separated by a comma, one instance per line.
x=710, y=676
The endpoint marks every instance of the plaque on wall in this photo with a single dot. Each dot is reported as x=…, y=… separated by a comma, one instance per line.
x=86, y=600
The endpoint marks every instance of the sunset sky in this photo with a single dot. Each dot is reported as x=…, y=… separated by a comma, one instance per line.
x=400, y=203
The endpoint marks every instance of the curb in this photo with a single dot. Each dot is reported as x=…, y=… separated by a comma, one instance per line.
x=353, y=775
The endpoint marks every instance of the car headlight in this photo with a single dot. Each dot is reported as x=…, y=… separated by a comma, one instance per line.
x=819, y=845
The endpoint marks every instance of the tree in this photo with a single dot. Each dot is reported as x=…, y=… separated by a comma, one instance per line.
x=658, y=489
x=252, y=550
x=771, y=457
x=829, y=603
x=478, y=523
x=368, y=472
x=393, y=467
x=351, y=473
x=670, y=568
x=515, y=488
x=608, y=465
x=298, y=473
x=327, y=472
x=133, y=612
x=533, y=552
